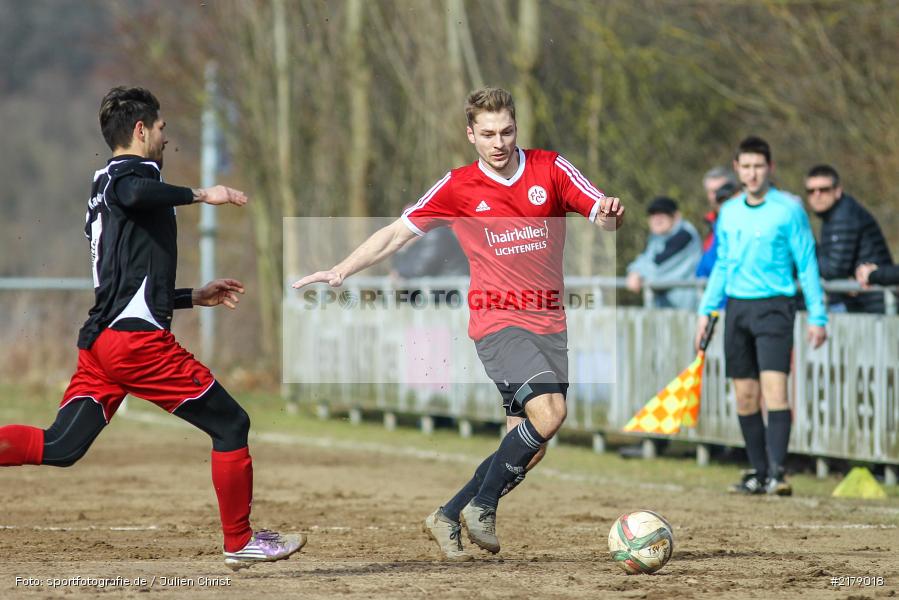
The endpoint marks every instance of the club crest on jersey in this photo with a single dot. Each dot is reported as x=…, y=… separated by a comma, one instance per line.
x=482, y=207
x=537, y=195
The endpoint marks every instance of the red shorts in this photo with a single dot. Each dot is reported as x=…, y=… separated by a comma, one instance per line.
x=148, y=364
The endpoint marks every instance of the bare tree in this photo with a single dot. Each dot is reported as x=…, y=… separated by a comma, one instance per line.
x=358, y=84
x=527, y=52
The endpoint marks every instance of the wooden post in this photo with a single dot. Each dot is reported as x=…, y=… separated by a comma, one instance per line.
x=702, y=455
x=426, y=424
x=389, y=421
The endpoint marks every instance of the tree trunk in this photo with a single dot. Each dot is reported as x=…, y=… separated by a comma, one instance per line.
x=455, y=71
x=283, y=129
x=358, y=85
x=526, y=54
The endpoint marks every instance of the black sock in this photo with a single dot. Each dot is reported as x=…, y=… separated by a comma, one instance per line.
x=753, y=428
x=452, y=508
x=779, y=424
x=511, y=459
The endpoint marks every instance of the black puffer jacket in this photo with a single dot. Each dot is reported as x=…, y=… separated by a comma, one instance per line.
x=849, y=237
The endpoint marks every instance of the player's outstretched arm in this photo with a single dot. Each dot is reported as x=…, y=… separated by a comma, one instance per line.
x=219, y=291
x=382, y=244
x=611, y=213
x=220, y=194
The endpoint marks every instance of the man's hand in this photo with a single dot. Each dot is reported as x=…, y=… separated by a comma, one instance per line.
x=220, y=291
x=611, y=213
x=817, y=335
x=701, y=324
x=634, y=282
x=220, y=194
x=332, y=278
x=862, y=272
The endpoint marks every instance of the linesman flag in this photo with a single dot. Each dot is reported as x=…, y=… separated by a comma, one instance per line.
x=678, y=403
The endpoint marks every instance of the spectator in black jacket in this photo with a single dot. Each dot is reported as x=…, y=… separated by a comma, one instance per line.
x=849, y=237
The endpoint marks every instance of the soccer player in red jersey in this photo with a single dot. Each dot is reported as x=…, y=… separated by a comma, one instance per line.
x=126, y=346
x=508, y=211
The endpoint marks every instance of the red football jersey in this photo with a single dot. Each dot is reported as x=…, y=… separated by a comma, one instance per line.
x=513, y=233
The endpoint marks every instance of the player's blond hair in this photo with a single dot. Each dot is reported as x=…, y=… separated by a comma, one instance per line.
x=488, y=99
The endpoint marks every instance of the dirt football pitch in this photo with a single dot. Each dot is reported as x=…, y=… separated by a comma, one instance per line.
x=140, y=506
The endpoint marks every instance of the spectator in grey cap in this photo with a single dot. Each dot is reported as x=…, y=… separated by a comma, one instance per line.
x=672, y=253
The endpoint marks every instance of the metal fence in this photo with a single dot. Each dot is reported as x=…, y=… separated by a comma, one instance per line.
x=844, y=394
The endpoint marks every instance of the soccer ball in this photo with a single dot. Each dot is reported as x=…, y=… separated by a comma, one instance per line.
x=641, y=542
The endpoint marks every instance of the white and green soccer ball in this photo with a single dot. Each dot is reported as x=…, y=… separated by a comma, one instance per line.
x=641, y=542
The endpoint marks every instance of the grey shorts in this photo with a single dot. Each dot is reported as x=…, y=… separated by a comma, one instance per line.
x=524, y=365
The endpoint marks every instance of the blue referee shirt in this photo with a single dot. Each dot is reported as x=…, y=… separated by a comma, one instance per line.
x=757, y=248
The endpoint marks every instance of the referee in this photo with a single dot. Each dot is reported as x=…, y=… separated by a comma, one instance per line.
x=762, y=234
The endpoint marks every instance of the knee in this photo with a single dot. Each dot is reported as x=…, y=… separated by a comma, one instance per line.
x=76, y=427
x=558, y=416
x=747, y=400
x=236, y=432
x=62, y=462
x=61, y=452
x=221, y=417
x=746, y=404
x=242, y=425
x=549, y=420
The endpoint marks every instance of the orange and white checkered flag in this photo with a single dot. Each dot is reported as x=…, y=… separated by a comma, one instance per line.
x=678, y=404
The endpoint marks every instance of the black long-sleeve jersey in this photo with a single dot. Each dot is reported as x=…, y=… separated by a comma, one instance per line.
x=133, y=240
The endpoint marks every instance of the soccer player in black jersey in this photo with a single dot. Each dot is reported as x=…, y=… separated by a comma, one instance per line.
x=126, y=346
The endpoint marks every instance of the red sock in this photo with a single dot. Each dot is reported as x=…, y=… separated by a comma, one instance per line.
x=21, y=445
x=232, y=477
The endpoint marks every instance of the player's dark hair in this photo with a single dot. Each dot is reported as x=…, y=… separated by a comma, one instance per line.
x=488, y=100
x=754, y=145
x=824, y=171
x=121, y=109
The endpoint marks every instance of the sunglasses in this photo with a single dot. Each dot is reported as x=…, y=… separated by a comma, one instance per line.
x=820, y=190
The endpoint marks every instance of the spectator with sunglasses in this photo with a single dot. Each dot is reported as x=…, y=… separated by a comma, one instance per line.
x=850, y=237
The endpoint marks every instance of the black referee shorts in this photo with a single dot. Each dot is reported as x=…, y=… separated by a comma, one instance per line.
x=758, y=336
x=524, y=365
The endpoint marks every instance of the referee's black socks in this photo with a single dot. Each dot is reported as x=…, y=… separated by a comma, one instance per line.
x=510, y=461
x=779, y=424
x=753, y=428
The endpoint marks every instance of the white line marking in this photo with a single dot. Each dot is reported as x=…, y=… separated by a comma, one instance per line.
x=88, y=528
x=823, y=526
x=409, y=452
